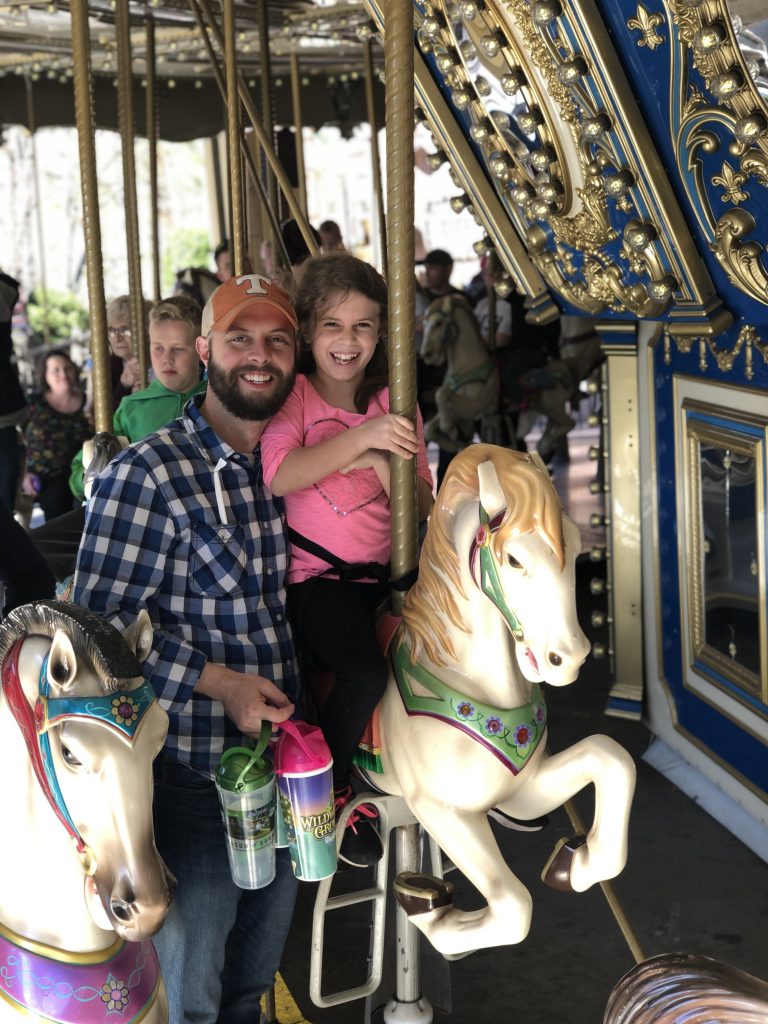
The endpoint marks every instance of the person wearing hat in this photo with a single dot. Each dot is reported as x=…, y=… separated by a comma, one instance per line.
x=182, y=524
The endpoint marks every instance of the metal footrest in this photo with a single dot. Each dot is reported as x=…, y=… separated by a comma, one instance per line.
x=393, y=812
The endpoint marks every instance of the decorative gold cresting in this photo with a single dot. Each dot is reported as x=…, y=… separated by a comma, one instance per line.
x=647, y=23
x=748, y=341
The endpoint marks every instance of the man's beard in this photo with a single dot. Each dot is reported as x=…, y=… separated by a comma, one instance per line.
x=226, y=387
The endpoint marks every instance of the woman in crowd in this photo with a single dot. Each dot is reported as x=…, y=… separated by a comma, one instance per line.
x=56, y=429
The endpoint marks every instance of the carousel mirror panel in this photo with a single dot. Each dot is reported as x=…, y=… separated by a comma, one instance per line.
x=725, y=464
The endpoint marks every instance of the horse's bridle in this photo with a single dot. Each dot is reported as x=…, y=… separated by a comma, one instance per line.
x=488, y=580
x=123, y=711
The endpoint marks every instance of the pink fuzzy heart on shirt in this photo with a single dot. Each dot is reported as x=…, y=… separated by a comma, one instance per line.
x=344, y=493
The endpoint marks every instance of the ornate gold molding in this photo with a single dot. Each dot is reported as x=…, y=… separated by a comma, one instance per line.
x=647, y=24
x=748, y=341
x=741, y=260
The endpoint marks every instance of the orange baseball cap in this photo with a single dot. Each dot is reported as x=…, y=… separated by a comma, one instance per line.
x=249, y=291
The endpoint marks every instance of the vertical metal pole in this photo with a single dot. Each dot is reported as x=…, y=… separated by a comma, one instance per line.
x=38, y=210
x=152, y=144
x=233, y=140
x=267, y=118
x=400, y=279
x=370, y=102
x=81, y=61
x=126, y=123
x=296, y=103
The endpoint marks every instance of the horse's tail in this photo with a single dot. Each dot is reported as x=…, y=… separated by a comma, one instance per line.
x=677, y=987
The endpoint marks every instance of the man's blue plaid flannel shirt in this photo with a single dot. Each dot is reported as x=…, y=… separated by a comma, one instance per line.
x=210, y=572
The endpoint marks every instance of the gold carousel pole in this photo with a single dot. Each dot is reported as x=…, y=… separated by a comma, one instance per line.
x=81, y=60
x=265, y=78
x=233, y=140
x=398, y=64
x=152, y=144
x=253, y=117
x=38, y=210
x=249, y=160
x=370, y=102
x=296, y=104
x=126, y=123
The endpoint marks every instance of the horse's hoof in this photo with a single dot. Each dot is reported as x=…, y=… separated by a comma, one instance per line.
x=557, y=870
x=418, y=893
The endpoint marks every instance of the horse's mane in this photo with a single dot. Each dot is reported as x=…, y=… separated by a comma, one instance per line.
x=431, y=610
x=92, y=637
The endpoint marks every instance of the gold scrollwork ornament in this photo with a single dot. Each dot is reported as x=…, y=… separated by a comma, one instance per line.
x=741, y=260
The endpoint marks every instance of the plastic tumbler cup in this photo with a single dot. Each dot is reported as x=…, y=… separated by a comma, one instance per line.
x=246, y=785
x=303, y=766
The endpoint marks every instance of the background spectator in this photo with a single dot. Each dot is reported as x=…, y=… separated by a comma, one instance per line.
x=55, y=431
x=330, y=237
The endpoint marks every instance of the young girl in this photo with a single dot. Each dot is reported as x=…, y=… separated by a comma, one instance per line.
x=327, y=451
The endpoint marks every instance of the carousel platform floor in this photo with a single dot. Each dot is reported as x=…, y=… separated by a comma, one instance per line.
x=689, y=886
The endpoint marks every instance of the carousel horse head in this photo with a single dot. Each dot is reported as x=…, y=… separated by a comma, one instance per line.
x=79, y=729
x=498, y=536
x=445, y=320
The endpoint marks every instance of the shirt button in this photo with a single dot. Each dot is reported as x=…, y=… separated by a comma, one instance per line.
x=269, y=572
x=278, y=618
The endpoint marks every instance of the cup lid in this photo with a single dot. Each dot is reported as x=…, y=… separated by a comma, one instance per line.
x=301, y=748
x=244, y=769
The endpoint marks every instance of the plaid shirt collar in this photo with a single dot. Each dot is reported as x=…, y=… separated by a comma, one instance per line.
x=208, y=441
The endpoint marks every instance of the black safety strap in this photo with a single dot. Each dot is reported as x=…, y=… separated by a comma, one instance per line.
x=347, y=572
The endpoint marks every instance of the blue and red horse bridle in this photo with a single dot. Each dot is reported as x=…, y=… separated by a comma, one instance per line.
x=123, y=711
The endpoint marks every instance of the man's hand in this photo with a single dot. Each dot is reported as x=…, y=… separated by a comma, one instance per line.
x=248, y=699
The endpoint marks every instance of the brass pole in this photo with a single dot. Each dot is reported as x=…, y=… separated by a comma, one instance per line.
x=398, y=62
x=126, y=124
x=609, y=892
x=370, y=103
x=38, y=211
x=267, y=99
x=275, y=164
x=233, y=140
x=152, y=144
x=296, y=104
x=81, y=61
x=249, y=159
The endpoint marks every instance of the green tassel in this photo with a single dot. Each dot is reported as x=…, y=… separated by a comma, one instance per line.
x=368, y=760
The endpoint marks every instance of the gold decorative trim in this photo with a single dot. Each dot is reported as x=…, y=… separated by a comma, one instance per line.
x=647, y=24
x=748, y=340
x=741, y=260
x=65, y=956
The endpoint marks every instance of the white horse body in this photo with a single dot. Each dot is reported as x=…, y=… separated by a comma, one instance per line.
x=449, y=779
x=56, y=903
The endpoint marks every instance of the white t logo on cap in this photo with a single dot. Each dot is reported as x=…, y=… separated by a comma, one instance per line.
x=255, y=283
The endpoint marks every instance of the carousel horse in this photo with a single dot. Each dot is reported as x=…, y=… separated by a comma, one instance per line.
x=462, y=725
x=198, y=283
x=683, y=988
x=83, y=887
x=470, y=388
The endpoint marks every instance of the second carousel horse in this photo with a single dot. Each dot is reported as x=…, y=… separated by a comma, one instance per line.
x=470, y=388
x=83, y=887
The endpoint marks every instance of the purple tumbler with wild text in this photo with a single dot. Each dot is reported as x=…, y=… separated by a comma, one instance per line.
x=303, y=766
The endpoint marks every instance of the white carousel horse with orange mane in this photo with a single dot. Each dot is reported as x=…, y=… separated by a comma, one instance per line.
x=83, y=887
x=463, y=721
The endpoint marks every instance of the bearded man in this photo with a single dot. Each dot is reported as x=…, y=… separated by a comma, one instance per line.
x=181, y=524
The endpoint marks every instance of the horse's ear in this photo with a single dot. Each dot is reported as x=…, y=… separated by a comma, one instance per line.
x=62, y=663
x=139, y=635
x=491, y=493
x=538, y=462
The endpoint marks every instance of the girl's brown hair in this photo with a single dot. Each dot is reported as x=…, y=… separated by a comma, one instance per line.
x=332, y=277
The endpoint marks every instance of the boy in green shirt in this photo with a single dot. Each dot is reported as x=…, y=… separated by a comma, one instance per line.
x=174, y=324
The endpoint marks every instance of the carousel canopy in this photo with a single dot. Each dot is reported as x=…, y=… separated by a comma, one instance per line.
x=36, y=63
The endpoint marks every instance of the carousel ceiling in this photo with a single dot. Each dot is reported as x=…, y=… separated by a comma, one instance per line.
x=36, y=62
x=625, y=143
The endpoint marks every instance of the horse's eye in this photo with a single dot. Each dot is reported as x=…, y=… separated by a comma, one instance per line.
x=513, y=562
x=70, y=758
